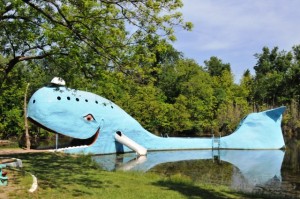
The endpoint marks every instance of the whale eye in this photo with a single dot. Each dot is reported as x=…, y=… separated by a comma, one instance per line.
x=89, y=117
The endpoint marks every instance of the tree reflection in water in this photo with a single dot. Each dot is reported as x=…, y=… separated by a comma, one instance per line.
x=264, y=171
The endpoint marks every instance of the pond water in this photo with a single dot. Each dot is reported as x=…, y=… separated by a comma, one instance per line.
x=264, y=171
x=273, y=172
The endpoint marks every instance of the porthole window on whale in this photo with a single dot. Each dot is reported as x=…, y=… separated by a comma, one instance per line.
x=96, y=102
x=77, y=99
x=33, y=101
x=86, y=100
x=68, y=98
x=59, y=98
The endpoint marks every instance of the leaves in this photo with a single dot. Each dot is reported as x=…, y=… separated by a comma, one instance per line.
x=122, y=50
x=101, y=31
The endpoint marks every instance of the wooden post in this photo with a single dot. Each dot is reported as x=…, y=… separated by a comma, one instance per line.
x=25, y=120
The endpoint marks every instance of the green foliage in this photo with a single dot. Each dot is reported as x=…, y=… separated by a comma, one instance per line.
x=90, y=34
x=215, y=66
x=11, y=103
x=273, y=69
x=276, y=83
x=121, y=50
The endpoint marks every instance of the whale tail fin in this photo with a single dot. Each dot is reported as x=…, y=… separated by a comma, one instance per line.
x=260, y=130
x=276, y=113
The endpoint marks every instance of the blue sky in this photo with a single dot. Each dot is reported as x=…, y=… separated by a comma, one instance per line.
x=234, y=30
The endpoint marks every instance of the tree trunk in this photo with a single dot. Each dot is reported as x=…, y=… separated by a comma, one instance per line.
x=25, y=120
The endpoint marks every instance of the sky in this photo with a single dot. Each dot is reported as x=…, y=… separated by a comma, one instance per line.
x=235, y=30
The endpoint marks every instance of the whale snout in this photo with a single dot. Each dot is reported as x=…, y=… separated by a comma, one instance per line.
x=60, y=111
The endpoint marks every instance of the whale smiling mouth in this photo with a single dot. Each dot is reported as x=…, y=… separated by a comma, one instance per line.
x=85, y=142
x=74, y=142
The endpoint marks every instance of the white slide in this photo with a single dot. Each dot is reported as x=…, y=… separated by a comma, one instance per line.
x=120, y=137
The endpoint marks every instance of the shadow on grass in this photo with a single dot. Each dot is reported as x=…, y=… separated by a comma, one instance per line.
x=189, y=190
x=62, y=172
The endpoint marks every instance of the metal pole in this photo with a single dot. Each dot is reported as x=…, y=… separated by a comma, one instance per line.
x=56, y=141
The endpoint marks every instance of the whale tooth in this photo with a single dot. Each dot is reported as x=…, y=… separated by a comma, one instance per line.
x=66, y=148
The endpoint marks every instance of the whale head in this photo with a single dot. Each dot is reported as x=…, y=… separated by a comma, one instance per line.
x=65, y=111
x=89, y=119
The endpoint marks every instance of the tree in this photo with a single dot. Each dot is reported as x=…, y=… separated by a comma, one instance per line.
x=25, y=119
x=187, y=88
x=102, y=42
x=293, y=74
x=246, y=88
x=272, y=71
x=215, y=66
x=96, y=32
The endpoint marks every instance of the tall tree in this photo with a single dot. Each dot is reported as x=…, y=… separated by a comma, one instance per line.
x=272, y=69
x=187, y=87
x=293, y=74
x=27, y=137
x=215, y=66
x=87, y=30
x=246, y=87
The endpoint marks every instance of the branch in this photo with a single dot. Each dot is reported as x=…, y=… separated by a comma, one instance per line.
x=44, y=13
x=14, y=17
x=10, y=41
x=18, y=59
x=7, y=9
x=41, y=47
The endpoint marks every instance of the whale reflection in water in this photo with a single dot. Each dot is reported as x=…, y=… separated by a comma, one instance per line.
x=251, y=168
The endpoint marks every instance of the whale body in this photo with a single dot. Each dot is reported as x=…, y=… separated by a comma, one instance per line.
x=94, y=120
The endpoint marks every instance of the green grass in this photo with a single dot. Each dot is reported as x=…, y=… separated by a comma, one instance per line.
x=65, y=176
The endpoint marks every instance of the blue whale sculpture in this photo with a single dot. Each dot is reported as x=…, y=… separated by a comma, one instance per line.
x=94, y=121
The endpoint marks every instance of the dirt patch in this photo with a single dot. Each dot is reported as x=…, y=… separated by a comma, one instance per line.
x=5, y=142
x=18, y=151
x=19, y=182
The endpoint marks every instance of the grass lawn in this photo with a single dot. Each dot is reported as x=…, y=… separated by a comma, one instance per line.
x=65, y=176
